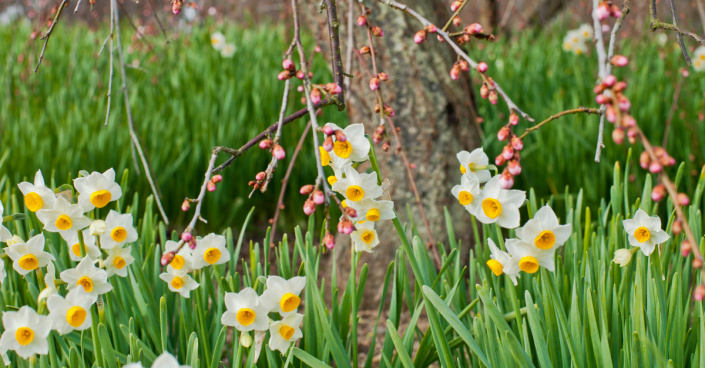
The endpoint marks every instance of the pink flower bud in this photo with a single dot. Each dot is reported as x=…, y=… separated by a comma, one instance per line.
x=677, y=227
x=697, y=263
x=300, y=89
x=318, y=197
x=300, y=74
x=615, y=11
x=374, y=83
x=364, y=50
x=420, y=36
x=484, y=90
x=350, y=212
x=377, y=31
x=192, y=243
x=306, y=189
x=284, y=75
x=493, y=97
x=361, y=20
x=514, y=168
x=336, y=89
x=473, y=29
x=658, y=193
x=186, y=236
x=315, y=95
x=455, y=72
x=340, y=136
x=618, y=135
x=328, y=144
x=620, y=60
x=602, y=12
x=655, y=167
x=265, y=144
x=328, y=130
x=624, y=104
x=167, y=258
x=503, y=133
x=288, y=64
x=440, y=38
x=517, y=144
x=186, y=205
x=601, y=99
x=463, y=65
x=348, y=227
x=682, y=199
x=699, y=293
x=482, y=67
x=217, y=178
x=383, y=76
x=309, y=207
x=388, y=110
x=620, y=86
x=455, y=5
x=176, y=6
x=686, y=248
x=499, y=160
x=611, y=114
x=329, y=240
x=609, y=81
x=260, y=176
x=506, y=181
x=513, y=118
x=210, y=186
x=508, y=152
x=278, y=152
x=628, y=121
x=644, y=160
x=598, y=89
x=457, y=21
x=431, y=28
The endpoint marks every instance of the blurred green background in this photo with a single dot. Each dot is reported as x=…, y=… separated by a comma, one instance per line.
x=186, y=98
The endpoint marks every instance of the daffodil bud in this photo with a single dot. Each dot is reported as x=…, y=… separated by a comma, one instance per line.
x=361, y=20
x=245, y=340
x=318, y=197
x=329, y=240
x=14, y=240
x=309, y=207
x=420, y=36
x=97, y=228
x=43, y=295
x=699, y=293
x=622, y=257
x=682, y=199
x=482, y=67
x=210, y=186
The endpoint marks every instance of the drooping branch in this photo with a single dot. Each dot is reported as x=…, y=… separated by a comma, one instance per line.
x=50, y=31
x=556, y=116
x=656, y=24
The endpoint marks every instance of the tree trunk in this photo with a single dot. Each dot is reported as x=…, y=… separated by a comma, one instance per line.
x=436, y=117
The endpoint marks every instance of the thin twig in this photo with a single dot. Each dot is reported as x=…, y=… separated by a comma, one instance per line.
x=159, y=22
x=455, y=14
x=130, y=121
x=273, y=163
x=678, y=35
x=49, y=32
x=335, y=57
x=351, y=43
x=656, y=24
x=674, y=106
x=558, y=115
x=112, y=48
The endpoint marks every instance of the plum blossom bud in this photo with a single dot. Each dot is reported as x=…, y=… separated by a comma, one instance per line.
x=328, y=130
x=388, y=110
x=622, y=257
x=677, y=227
x=628, y=121
x=473, y=29
x=602, y=12
x=301, y=89
x=309, y=207
x=176, y=6
x=506, y=181
x=658, y=193
x=364, y=50
x=186, y=236
x=484, y=90
x=686, y=248
x=513, y=118
x=615, y=11
x=278, y=152
x=682, y=199
x=318, y=197
x=252, y=183
x=598, y=89
x=284, y=75
x=210, y=186
x=455, y=72
x=431, y=28
x=620, y=60
x=260, y=176
x=611, y=114
x=300, y=74
x=618, y=135
x=420, y=36
x=186, y=205
x=288, y=64
x=383, y=76
x=265, y=144
x=440, y=38
x=374, y=83
x=167, y=258
x=192, y=243
x=377, y=31
x=623, y=103
x=333, y=88
x=493, y=97
x=517, y=143
x=508, y=152
x=655, y=167
x=351, y=212
x=217, y=178
x=503, y=133
x=499, y=160
x=329, y=240
x=620, y=86
x=463, y=65
x=644, y=160
x=482, y=67
x=315, y=95
x=514, y=167
x=601, y=99
x=457, y=21
x=609, y=81
x=306, y=189
x=345, y=227
x=361, y=20
x=697, y=263
x=97, y=228
x=340, y=136
x=699, y=293
x=328, y=144
x=455, y=5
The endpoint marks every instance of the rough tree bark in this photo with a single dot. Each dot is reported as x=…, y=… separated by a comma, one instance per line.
x=436, y=117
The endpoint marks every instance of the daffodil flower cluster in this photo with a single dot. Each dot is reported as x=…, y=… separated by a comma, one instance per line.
x=104, y=252
x=576, y=40
x=227, y=50
x=644, y=232
x=247, y=311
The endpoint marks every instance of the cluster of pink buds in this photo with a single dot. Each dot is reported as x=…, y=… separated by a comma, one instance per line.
x=488, y=91
x=663, y=159
x=611, y=94
x=659, y=192
x=315, y=197
x=510, y=153
x=211, y=184
x=330, y=133
x=388, y=110
x=606, y=9
x=290, y=71
x=259, y=180
x=420, y=36
x=176, y=6
x=277, y=150
x=459, y=66
x=374, y=82
x=363, y=21
x=329, y=240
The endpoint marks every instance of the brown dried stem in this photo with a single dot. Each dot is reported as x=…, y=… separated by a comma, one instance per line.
x=558, y=115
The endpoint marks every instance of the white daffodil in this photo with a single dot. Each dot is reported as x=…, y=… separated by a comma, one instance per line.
x=356, y=187
x=499, y=205
x=97, y=190
x=5, y=234
x=356, y=147
x=283, y=296
x=217, y=40
x=244, y=311
x=92, y=250
x=285, y=332
x=50, y=280
x=118, y=230
x=699, y=59
x=585, y=32
x=165, y=360
x=118, y=260
x=334, y=163
x=179, y=281
x=71, y=313
x=210, y=250
x=65, y=218
x=37, y=196
x=502, y=262
x=468, y=192
x=529, y=257
x=97, y=228
x=93, y=280
x=544, y=231
x=182, y=259
x=3, y=273
x=373, y=210
x=475, y=162
x=645, y=232
x=29, y=256
x=228, y=50
x=364, y=237
x=25, y=332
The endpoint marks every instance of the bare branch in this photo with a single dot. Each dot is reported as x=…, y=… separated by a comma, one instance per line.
x=49, y=32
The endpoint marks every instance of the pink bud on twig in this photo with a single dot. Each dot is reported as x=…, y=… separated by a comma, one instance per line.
x=186, y=236
x=493, y=97
x=361, y=20
x=618, y=135
x=377, y=31
x=315, y=95
x=683, y=199
x=329, y=240
x=328, y=130
x=655, y=167
x=340, y=136
x=517, y=143
x=499, y=160
x=508, y=152
x=284, y=75
x=278, y=152
x=658, y=193
x=699, y=293
x=306, y=189
x=217, y=178
x=167, y=258
x=288, y=64
x=374, y=83
x=514, y=167
x=265, y=144
x=260, y=176
x=455, y=72
x=609, y=81
x=309, y=207
x=455, y=5
x=503, y=133
x=420, y=36
x=186, y=205
x=328, y=144
x=210, y=186
x=686, y=248
x=506, y=181
x=620, y=60
x=318, y=197
x=482, y=67
x=473, y=29
x=513, y=118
